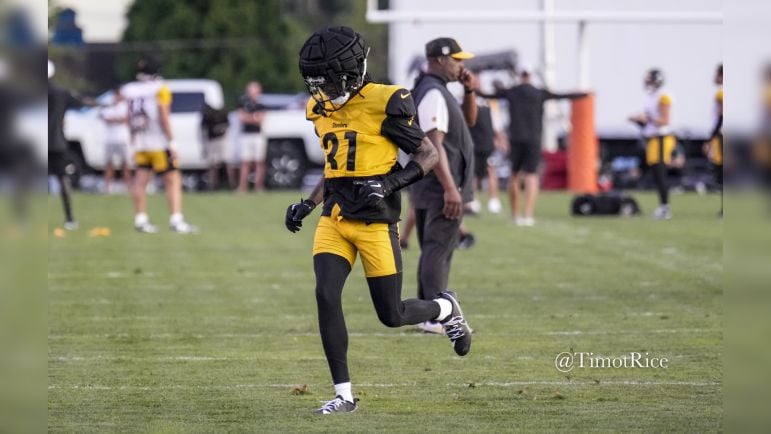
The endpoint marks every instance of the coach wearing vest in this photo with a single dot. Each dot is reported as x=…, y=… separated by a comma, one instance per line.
x=439, y=197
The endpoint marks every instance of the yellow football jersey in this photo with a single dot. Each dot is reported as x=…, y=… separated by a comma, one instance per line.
x=352, y=137
x=362, y=140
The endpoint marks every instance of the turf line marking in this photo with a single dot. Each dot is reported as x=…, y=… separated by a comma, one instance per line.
x=502, y=384
x=374, y=334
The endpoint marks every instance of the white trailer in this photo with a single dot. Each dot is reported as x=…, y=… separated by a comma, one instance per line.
x=601, y=45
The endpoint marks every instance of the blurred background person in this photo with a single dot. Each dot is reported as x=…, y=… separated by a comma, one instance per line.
x=655, y=121
x=115, y=117
x=252, y=144
x=762, y=143
x=59, y=101
x=483, y=133
x=214, y=128
x=714, y=147
x=525, y=103
x=149, y=101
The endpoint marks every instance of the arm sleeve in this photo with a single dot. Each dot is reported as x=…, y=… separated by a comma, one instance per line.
x=547, y=94
x=433, y=113
x=665, y=99
x=164, y=96
x=400, y=126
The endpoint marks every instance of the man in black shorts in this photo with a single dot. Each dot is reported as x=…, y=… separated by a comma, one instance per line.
x=525, y=128
x=59, y=101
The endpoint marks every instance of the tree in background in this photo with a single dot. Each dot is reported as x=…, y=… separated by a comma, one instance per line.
x=235, y=41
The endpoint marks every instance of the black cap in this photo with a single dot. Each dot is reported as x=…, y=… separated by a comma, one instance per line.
x=446, y=47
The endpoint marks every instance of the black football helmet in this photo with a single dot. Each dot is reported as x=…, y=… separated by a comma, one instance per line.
x=654, y=78
x=147, y=68
x=333, y=63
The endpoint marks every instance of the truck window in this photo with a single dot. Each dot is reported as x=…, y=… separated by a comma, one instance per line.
x=187, y=102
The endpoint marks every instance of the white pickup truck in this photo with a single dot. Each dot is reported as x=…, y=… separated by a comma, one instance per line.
x=292, y=143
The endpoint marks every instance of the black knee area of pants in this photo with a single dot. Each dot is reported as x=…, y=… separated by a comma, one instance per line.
x=331, y=271
x=386, y=296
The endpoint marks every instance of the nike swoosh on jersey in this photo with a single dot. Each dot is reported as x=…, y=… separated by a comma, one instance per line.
x=404, y=95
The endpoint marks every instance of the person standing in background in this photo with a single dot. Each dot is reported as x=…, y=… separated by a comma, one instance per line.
x=214, y=127
x=59, y=101
x=657, y=131
x=525, y=134
x=714, y=147
x=252, y=144
x=149, y=102
x=115, y=117
x=440, y=196
x=484, y=135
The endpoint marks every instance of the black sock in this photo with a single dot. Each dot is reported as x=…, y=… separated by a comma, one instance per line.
x=331, y=272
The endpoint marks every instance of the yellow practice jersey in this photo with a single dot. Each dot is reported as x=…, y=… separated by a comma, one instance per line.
x=362, y=140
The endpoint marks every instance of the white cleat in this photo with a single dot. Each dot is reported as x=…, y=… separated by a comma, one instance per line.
x=474, y=206
x=184, y=228
x=494, y=205
x=662, y=213
x=146, y=228
x=71, y=226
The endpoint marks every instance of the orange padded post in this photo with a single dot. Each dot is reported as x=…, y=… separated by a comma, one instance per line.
x=583, y=147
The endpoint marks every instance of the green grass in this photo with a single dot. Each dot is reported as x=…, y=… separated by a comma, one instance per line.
x=209, y=333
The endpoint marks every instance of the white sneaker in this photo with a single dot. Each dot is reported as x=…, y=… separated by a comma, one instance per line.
x=527, y=221
x=434, y=327
x=146, y=228
x=517, y=220
x=662, y=213
x=494, y=205
x=474, y=206
x=183, y=228
x=71, y=226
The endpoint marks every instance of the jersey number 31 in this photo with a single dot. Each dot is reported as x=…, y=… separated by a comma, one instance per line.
x=331, y=139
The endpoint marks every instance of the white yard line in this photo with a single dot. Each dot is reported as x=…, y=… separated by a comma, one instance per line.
x=374, y=334
x=502, y=384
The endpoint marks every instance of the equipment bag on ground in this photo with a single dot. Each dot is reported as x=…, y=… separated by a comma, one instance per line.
x=604, y=204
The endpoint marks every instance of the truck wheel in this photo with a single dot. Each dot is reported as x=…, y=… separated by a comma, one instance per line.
x=286, y=164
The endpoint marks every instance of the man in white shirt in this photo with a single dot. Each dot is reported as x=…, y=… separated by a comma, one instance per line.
x=440, y=195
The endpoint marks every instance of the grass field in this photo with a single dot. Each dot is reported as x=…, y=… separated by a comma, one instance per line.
x=211, y=333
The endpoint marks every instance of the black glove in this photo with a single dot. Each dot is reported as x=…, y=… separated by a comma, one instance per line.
x=372, y=191
x=297, y=212
x=375, y=190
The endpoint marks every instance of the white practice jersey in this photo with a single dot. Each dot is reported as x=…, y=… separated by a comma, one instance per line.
x=653, y=104
x=144, y=99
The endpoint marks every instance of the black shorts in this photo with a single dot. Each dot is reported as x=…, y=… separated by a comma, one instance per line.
x=480, y=164
x=525, y=157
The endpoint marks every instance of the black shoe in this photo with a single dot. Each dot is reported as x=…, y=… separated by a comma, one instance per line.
x=337, y=405
x=455, y=326
x=467, y=241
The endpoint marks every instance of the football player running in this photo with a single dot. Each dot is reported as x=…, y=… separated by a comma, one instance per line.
x=362, y=125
